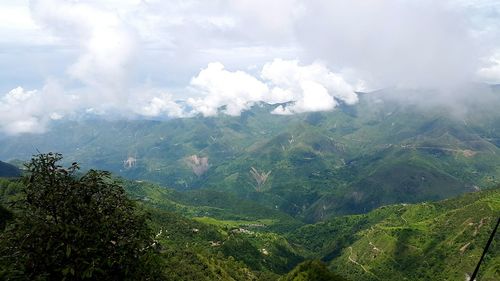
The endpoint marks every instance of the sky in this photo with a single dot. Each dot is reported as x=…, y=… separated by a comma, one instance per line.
x=61, y=59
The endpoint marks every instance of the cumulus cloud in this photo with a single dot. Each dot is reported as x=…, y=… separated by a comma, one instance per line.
x=310, y=88
x=388, y=42
x=103, y=51
x=218, y=87
x=18, y=121
x=162, y=105
x=150, y=102
x=29, y=111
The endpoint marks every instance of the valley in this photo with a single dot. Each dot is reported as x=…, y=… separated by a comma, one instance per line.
x=208, y=235
x=379, y=190
x=238, y=140
x=346, y=161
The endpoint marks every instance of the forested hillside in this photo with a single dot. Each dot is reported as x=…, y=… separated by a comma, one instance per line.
x=381, y=151
x=427, y=241
x=204, y=237
x=7, y=170
x=249, y=140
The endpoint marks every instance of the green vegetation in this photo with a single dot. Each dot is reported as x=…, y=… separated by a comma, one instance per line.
x=75, y=228
x=427, y=241
x=259, y=196
x=5, y=216
x=10, y=190
x=245, y=240
x=311, y=166
x=84, y=227
x=198, y=237
x=225, y=209
x=311, y=271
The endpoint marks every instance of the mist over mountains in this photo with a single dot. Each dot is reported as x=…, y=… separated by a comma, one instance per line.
x=249, y=140
x=139, y=59
x=392, y=146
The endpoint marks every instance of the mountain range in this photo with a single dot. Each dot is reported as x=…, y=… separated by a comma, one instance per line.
x=8, y=171
x=391, y=147
x=387, y=189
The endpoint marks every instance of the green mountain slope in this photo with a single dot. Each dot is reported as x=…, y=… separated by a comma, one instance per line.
x=426, y=241
x=201, y=248
x=380, y=151
x=8, y=171
x=220, y=227
x=204, y=238
x=309, y=271
x=229, y=210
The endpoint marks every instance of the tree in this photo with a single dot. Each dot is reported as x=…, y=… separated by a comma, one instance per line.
x=312, y=270
x=73, y=227
x=5, y=216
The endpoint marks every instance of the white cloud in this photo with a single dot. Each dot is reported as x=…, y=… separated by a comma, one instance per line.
x=265, y=21
x=236, y=90
x=19, y=113
x=106, y=44
x=16, y=16
x=315, y=97
x=29, y=111
x=196, y=25
x=393, y=42
x=56, y=116
x=387, y=42
x=18, y=28
x=104, y=50
x=156, y=103
x=313, y=87
x=491, y=72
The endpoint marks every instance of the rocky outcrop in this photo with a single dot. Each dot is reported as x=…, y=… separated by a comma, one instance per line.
x=199, y=165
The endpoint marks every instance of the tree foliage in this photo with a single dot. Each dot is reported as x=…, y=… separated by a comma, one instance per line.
x=313, y=270
x=5, y=216
x=71, y=227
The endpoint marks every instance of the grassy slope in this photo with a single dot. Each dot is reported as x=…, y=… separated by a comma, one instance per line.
x=213, y=204
x=426, y=241
x=231, y=236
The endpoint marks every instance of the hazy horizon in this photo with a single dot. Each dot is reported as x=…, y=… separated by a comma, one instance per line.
x=141, y=58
